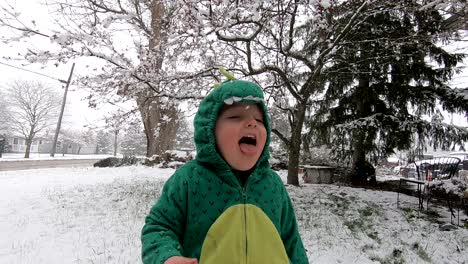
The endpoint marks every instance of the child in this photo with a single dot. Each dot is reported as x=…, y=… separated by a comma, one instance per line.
x=227, y=205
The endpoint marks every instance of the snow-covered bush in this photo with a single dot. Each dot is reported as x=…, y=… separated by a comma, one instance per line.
x=107, y=162
x=448, y=188
x=117, y=162
x=170, y=159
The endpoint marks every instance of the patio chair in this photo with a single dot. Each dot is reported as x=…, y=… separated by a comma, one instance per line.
x=441, y=168
x=445, y=169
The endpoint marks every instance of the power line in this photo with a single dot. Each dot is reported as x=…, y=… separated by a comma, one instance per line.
x=23, y=69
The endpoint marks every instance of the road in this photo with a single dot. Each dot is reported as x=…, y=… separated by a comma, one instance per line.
x=40, y=164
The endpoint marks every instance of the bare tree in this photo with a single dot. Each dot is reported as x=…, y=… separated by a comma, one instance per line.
x=87, y=138
x=34, y=107
x=115, y=122
x=75, y=136
x=267, y=41
x=143, y=65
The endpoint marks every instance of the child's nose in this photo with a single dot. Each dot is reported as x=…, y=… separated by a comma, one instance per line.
x=251, y=122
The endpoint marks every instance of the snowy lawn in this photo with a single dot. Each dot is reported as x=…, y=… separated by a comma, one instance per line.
x=94, y=215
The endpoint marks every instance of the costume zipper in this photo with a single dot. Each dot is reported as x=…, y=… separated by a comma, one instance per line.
x=244, y=196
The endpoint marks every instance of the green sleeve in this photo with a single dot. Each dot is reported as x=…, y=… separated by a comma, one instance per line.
x=290, y=233
x=163, y=229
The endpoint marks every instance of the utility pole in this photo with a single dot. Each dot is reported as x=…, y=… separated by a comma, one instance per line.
x=59, y=122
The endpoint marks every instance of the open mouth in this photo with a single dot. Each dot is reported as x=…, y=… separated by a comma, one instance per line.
x=249, y=140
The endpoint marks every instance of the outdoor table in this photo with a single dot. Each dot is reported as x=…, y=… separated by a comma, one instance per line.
x=318, y=174
x=420, y=187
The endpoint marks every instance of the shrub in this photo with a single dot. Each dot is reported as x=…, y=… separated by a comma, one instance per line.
x=117, y=162
x=107, y=162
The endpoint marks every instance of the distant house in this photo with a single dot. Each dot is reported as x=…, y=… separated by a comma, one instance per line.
x=17, y=144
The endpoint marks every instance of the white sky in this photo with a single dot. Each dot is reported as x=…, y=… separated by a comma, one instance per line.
x=77, y=110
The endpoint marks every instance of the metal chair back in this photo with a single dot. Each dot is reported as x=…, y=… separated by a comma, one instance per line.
x=440, y=168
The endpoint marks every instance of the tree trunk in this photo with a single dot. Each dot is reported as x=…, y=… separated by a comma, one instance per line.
x=359, y=136
x=359, y=157
x=156, y=113
x=306, y=148
x=28, y=148
x=2, y=145
x=160, y=121
x=150, y=118
x=64, y=149
x=116, y=134
x=29, y=140
x=295, y=146
x=359, y=154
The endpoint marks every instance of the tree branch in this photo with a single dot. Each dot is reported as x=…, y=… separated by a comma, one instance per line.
x=281, y=136
x=319, y=62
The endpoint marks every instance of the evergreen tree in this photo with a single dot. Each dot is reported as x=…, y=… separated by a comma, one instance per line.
x=383, y=82
x=103, y=144
x=134, y=141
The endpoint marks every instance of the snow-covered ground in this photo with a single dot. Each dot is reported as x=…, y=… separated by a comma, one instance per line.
x=95, y=215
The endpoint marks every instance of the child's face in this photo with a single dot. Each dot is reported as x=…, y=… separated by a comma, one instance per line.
x=240, y=135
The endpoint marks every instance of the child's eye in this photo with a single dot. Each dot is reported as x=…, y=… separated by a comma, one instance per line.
x=233, y=117
x=259, y=120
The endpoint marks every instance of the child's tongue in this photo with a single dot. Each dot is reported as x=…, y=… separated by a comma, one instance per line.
x=248, y=149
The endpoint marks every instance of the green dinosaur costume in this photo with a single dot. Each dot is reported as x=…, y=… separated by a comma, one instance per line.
x=205, y=212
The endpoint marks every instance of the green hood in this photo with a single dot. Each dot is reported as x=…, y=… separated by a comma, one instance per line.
x=232, y=91
x=204, y=212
